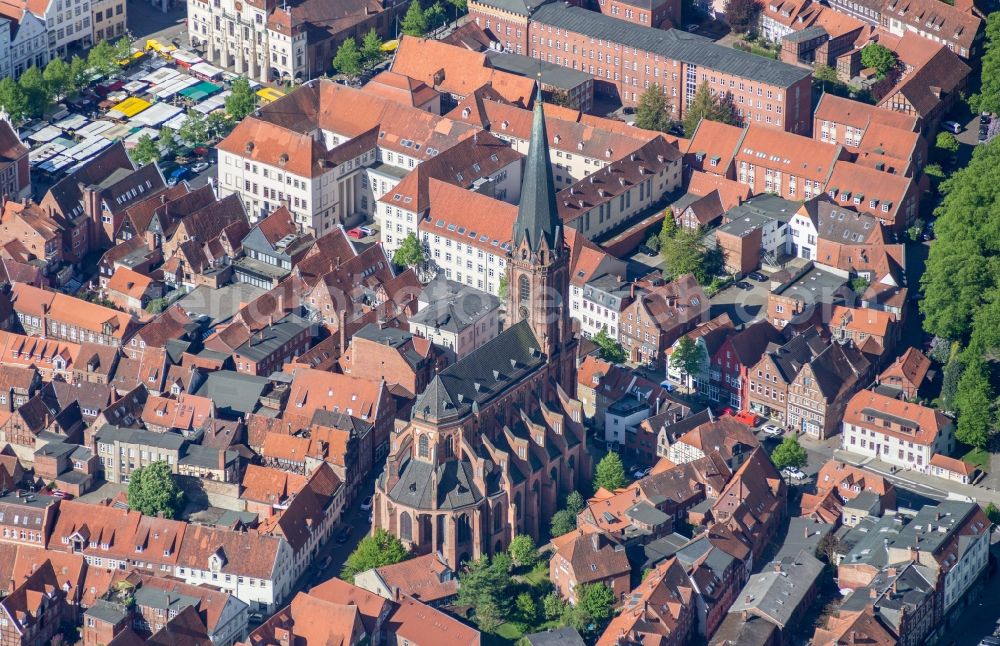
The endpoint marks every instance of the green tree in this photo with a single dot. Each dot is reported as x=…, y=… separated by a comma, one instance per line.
x=562, y=522
x=102, y=58
x=687, y=357
x=596, y=601
x=684, y=253
x=152, y=491
x=218, y=124
x=992, y=513
x=974, y=401
x=381, y=548
x=156, y=305
x=706, y=105
x=552, y=606
x=653, y=110
x=859, y=284
x=963, y=264
x=789, y=453
x=522, y=551
x=947, y=142
x=58, y=78
x=12, y=99
x=669, y=228
x=742, y=15
x=410, y=252
x=879, y=57
x=575, y=502
x=828, y=548
x=486, y=583
x=989, y=92
x=168, y=144
x=949, y=381
x=435, y=16
x=79, y=73
x=242, y=100
x=610, y=349
x=371, y=48
x=415, y=21
x=502, y=288
x=194, y=130
x=527, y=609
x=36, y=91
x=122, y=49
x=825, y=74
x=348, y=59
x=460, y=6
x=653, y=242
x=610, y=473
x=145, y=151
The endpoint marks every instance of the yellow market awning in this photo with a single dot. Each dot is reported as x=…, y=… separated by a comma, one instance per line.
x=268, y=94
x=131, y=107
x=390, y=45
x=154, y=44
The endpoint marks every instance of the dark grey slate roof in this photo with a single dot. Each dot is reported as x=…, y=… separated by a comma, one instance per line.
x=537, y=215
x=553, y=75
x=168, y=441
x=560, y=637
x=803, y=534
x=670, y=43
x=481, y=375
x=106, y=611
x=271, y=339
x=233, y=392
x=455, y=487
x=777, y=595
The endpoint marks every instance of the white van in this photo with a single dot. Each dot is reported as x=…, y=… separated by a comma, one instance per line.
x=951, y=126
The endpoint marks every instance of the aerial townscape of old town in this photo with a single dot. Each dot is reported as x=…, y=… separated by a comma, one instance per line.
x=500, y=322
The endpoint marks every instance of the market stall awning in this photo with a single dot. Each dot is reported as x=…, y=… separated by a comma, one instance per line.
x=200, y=91
x=128, y=108
x=269, y=94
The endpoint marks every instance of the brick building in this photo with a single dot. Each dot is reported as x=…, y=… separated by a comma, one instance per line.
x=626, y=58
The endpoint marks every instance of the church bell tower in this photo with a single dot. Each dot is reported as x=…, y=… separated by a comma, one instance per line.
x=538, y=263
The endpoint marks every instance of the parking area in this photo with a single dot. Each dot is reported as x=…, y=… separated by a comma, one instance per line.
x=744, y=300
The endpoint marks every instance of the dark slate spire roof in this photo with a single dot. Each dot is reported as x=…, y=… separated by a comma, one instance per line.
x=537, y=215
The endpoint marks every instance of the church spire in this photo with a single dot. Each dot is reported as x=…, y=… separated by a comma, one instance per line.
x=537, y=215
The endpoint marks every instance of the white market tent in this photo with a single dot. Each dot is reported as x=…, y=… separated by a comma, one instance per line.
x=186, y=57
x=117, y=131
x=133, y=138
x=207, y=71
x=176, y=122
x=94, y=128
x=73, y=122
x=87, y=148
x=213, y=103
x=42, y=153
x=160, y=76
x=134, y=87
x=48, y=133
x=155, y=116
x=172, y=87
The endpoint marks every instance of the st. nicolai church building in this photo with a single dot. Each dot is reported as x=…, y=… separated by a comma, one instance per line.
x=497, y=438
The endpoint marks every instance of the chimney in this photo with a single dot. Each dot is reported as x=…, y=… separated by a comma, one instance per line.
x=595, y=538
x=873, y=593
x=222, y=459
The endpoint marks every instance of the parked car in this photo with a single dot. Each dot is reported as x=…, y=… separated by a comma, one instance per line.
x=177, y=175
x=201, y=151
x=58, y=493
x=794, y=473
x=649, y=251
x=759, y=277
x=200, y=167
x=744, y=285
x=985, y=118
x=952, y=126
x=366, y=504
x=641, y=472
x=367, y=230
x=771, y=429
x=343, y=536
x=355, y=233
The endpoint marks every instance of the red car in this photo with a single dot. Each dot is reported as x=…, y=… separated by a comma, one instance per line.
x=355, y=233
x=201, y=151
x=61, y=494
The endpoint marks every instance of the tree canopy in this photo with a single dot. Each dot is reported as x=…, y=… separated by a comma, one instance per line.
x=347, y=61
x=242, y=100
x=789, y=453
x=410, y=252
x=371, y=49
x=152, y=491
x=687, y=356
x=653, y=110
x=145, y=151
x=36, y=91
x=522, y=551
x=381, y=548
x=707, y=105
x=485, y=585
x=610, y=349
x=946, y=142
x=879, y=57
x=58, y=78
x=742, y=15
x=988, y=98
x=12, y=99
x=415, y=21
x=610, y=473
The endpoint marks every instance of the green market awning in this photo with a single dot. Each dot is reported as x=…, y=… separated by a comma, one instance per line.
x=200, y=91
